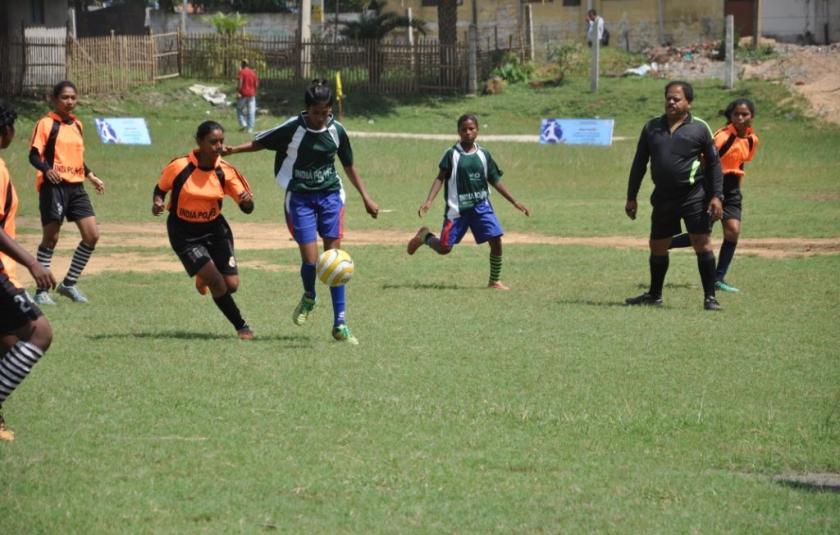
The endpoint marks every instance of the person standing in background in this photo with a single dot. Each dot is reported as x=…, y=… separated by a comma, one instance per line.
x=246, y=106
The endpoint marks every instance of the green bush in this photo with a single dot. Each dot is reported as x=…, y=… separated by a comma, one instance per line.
x=512, y=69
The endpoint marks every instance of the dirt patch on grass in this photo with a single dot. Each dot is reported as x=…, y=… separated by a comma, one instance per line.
x=147, y=239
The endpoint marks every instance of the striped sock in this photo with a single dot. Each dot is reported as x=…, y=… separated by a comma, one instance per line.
x=495, y=268
x=16, y=365
x=80, y=260
x=44, y=257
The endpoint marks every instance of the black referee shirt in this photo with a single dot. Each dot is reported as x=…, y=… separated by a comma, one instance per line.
x=675, y=163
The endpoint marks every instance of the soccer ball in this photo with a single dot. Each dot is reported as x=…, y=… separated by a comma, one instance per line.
x=335, y=267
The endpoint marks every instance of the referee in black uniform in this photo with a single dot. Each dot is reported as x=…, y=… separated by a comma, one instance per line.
x=688, y=185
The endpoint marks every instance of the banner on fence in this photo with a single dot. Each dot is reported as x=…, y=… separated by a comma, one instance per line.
x=123, y=130
x=577, y=131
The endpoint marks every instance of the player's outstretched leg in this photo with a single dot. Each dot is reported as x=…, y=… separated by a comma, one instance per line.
x=33, y=341
x=418, y=240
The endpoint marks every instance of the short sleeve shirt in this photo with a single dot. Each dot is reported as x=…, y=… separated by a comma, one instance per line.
x=67, y=158
x=468, y=175
x=739, y=150
x=8, y=210
x=305, y=159
x=200, y=197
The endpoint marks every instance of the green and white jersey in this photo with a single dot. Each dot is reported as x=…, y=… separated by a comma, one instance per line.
x=305, y=160
x=468, y=174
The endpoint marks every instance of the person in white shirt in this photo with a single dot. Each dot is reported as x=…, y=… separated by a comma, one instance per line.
x=594, y=27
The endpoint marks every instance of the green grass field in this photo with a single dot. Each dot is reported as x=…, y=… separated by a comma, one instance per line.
x=550, y=408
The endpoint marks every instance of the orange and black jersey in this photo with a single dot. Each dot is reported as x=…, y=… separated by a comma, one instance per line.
x=197, y=193
x=58, y=144
x=8, y=210
x=735, y=151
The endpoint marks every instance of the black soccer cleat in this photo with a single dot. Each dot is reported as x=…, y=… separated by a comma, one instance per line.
x=710, y=303
x=645, y=299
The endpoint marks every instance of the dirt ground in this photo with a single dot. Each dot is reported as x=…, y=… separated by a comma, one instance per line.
x=812, y=71
x=146, y=239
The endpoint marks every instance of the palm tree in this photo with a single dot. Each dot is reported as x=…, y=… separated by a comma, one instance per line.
x=373, y=26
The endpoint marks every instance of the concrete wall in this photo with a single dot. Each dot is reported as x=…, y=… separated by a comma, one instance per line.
x=801, y=20
x=15, y=13
x=632, y=23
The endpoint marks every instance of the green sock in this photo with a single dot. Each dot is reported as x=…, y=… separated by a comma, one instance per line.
x=495, y=268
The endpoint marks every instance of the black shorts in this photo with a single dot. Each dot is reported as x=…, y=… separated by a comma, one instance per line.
x=16, y=307
x=668, y=211
x=64, y=200
x=731, y=197
x=199, y=243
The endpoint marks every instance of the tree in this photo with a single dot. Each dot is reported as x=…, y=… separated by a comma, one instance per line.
x=447, y=12
x=373, y=25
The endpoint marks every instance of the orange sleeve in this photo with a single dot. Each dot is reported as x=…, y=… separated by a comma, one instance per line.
x=720, y=137
x=167, y=176
x=41, y=133
x=4, y=189
x=235, y=183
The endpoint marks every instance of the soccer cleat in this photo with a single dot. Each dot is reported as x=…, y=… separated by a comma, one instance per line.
x=200, y=285
x=72, y=292
x=723, y=287
x=6, y=434
x=498, y=285
x=245, y=333
x=415, y=242
x=303, y=310
x=342, y=333
x=43, y=298
x=644, y=299
x=710, y=303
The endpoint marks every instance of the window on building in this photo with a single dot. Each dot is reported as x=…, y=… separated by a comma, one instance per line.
x=571, y=2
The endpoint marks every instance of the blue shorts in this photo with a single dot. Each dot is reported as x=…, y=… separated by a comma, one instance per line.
x=309, y=215
x=480, y=219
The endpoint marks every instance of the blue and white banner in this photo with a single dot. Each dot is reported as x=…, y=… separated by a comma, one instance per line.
x=577, y=131
x=123, y=130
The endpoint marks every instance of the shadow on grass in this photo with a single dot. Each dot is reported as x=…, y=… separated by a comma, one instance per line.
x=682, y=285
x=424, y=286
x=197, y=335
x=592, y=302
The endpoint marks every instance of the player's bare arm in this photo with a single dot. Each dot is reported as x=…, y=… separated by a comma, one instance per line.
x=251, y=146
x=97, y=182
x=370, y=206
x=42, y=276
x=500, y=187
x=433, y=191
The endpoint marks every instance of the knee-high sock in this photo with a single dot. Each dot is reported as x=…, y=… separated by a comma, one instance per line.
x=228, y=307
x=727, y=253
x=339, y=304
x=658, y=269
x=16, y=365
x=680, y=240
x=80, y=260
x=44, y=257
x=307, y=275
x=706, y=265
x=495, y=268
